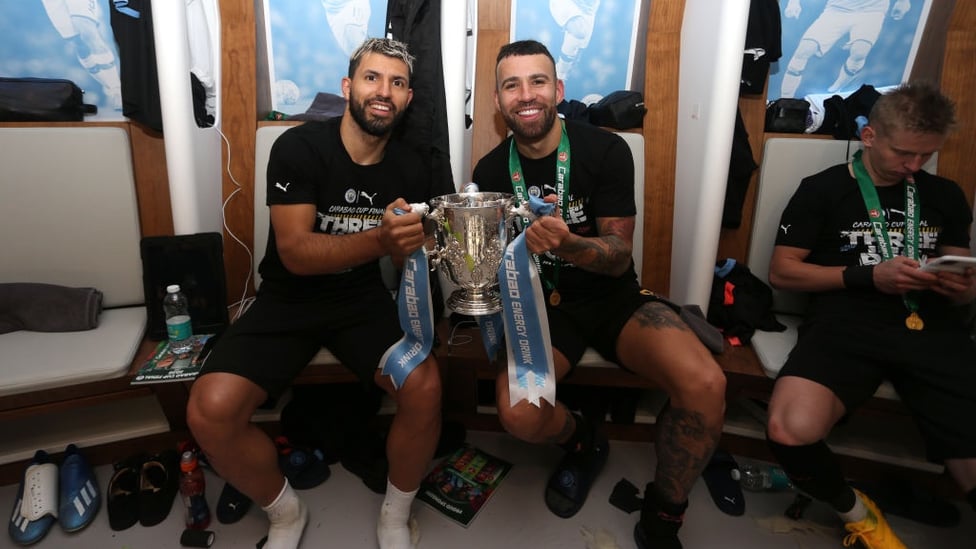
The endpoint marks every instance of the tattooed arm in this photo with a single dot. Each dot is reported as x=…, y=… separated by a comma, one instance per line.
x=609, y=253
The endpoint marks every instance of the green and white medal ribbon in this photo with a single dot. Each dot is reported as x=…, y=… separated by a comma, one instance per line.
x=879, y=227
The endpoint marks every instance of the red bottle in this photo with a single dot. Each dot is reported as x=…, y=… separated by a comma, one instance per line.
x=193, y=491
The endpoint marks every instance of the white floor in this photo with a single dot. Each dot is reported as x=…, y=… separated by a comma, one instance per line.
x=343, y=513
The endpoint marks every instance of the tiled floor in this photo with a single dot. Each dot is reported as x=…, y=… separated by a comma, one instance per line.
x=343, y=513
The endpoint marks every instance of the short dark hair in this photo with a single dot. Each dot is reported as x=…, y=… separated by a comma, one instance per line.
x=524, y=47
x=382, y=46
x=916, y=107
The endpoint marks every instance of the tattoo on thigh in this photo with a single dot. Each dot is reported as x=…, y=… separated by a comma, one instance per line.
x=658, y=315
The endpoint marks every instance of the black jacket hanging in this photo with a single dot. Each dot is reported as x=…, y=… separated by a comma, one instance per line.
x=133, y=29
x=418, y=24
x=741, y=166
x=763, y=45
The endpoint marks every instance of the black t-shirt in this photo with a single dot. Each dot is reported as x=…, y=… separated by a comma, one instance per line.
x=309, y=165
x=827, y=216
x=601, y=184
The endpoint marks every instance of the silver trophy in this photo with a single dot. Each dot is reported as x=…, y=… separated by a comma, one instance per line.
x=471, y=232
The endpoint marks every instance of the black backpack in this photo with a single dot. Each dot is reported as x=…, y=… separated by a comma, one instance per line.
x=740, y=303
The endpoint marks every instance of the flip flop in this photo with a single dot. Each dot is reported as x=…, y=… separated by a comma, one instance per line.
x=569, y=485
x=232, y=505
x=159, y=482
x=725, y=490
x=123, y=493
x=304, y=468
x=80, y=496
x=36, y=506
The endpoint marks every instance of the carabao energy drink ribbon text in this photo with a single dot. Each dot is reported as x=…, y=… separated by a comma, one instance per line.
x=531, y=374
x=416, y=315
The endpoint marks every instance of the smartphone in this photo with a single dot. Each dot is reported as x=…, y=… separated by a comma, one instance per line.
x=951, y=263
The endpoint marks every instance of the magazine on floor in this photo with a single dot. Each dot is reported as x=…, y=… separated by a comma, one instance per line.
x=461, y=484
x=165, y=366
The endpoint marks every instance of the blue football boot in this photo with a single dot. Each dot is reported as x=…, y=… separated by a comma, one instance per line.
x=80, y=496
x=36, y=507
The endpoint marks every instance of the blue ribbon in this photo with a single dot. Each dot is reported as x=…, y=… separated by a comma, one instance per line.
x=530, y=366
x=416, y=320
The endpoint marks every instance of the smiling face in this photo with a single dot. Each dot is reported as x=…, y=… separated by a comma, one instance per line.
x=527, y=94
x=378, y=93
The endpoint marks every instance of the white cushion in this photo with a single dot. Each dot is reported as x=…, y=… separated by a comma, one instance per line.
x=68, y=211
x=34, y=361
x=70, y=218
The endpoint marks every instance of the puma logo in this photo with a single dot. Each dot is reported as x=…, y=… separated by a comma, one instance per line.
x=785, y=228
x=284, y=188
x=548, y=188
x=365, y=195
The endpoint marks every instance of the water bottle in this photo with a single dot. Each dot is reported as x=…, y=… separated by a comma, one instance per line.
x=762, y=478
x=193, y=491
x=178, y=326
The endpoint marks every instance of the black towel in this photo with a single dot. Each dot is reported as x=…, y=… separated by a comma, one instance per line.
x=48, y=308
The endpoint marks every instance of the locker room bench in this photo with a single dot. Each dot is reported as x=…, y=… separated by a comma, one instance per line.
x=69, y=217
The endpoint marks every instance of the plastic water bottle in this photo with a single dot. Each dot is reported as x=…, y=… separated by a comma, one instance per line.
x=762, y=478
x=193, y=491
x=178, y=326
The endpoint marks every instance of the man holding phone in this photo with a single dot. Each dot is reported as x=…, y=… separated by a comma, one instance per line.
x=854, y=236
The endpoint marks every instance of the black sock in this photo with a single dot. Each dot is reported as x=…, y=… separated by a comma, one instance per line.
x=814, y=469
x=971, y=498
x=661, y=518
x=580, y=438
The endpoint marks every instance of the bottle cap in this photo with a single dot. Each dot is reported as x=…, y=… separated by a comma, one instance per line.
x=173, y=288
x=188, y=461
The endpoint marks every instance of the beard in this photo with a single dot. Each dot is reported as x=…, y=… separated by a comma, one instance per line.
x=377, y=127
x=531, y=130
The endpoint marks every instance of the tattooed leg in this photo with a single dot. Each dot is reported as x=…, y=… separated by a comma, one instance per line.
x=683, y=445
x=659, y=346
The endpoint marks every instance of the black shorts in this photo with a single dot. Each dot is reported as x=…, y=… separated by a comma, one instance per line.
x=594, y=321
x=275, y=339
x=934, y=373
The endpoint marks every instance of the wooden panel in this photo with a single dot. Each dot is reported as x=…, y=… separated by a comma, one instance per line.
x=152, y=180
x=238, y=122
x=493, y=33
x=660, y=140
x=958, y=75
x=930, y=56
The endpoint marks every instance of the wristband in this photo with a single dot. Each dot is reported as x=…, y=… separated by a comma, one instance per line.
x=859, y=277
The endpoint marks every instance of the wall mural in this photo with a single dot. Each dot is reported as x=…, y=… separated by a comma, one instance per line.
x=64, y=39
x=835, y=46
x=592, y=41
x=309, y=43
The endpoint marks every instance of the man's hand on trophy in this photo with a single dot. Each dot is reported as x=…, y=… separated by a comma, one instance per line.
x=402, y=230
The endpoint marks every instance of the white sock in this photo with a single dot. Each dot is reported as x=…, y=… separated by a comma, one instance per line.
x=393, y=530
x=857, y=513
x=288, y=516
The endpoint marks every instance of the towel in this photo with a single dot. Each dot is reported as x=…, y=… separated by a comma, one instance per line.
x=48, y=308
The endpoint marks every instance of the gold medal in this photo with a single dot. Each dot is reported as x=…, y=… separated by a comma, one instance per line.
x=554, y=298
x=914, y=322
